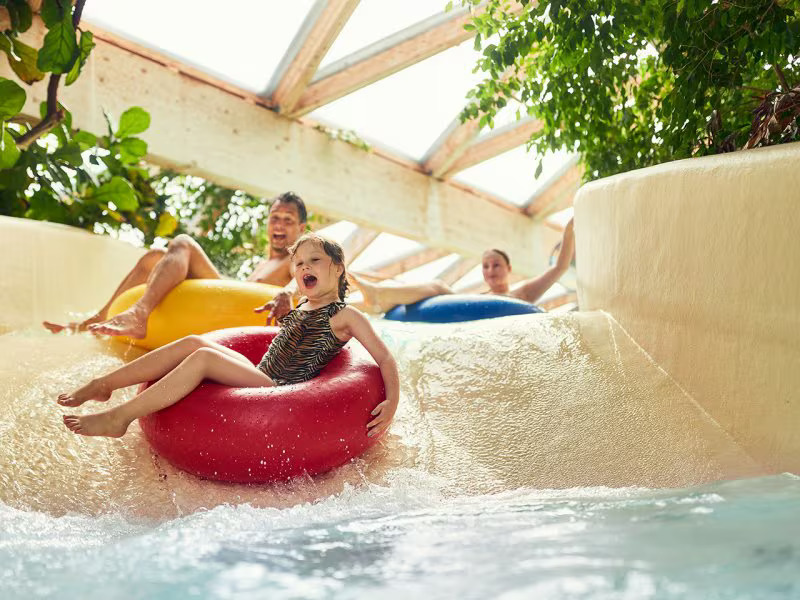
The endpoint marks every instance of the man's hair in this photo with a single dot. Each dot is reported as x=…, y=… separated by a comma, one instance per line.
x=332, y=249
x=292, y=198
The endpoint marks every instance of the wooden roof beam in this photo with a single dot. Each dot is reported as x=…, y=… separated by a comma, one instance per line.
x=493, y=144
x=320, y=29
x=451, y=144
x=454, y=141
x=405, y=262
x=196, y=122
x=387, y=56
x=357, y=242
x=457, y=270
x=557, y=193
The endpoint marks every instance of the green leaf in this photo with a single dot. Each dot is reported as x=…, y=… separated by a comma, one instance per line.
x=51, y=12
x=9, y=153
x=59, y=51
x=134, y=120
x=46, y=207
x=24, y=17
x=22, y=59
x=84, y=48
x=538, y=169
x=15, y=179
x=132, y=148
x=12, y=98
x=69, y=153
x=167, y=224
x=117, y=191
x=85, y=139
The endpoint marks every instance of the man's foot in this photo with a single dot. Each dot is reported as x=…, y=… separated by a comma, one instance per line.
x=74, y=326
x=131, y=323
x=105, y=423
x=94, y=390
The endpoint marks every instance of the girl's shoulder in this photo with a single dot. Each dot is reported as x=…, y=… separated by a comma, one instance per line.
x=346, y=313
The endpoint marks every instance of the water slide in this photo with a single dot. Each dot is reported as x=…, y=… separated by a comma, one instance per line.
x=609, y=396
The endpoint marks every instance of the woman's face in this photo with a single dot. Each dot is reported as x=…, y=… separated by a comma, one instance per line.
x=495, y=270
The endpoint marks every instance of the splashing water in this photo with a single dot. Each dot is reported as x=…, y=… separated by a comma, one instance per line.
x=532, y=457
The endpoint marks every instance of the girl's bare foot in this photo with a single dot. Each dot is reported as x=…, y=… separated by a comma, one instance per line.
x=74, y=326
x=107, y=424
x=131, y=323
x=94, y=390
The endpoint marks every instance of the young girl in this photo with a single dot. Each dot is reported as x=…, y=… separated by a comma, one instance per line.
x=311, y=335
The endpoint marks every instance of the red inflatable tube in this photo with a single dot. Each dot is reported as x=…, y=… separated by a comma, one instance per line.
x=261, y=435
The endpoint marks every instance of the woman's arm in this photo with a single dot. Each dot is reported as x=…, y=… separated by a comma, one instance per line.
x=354, y=324
x=532, y=289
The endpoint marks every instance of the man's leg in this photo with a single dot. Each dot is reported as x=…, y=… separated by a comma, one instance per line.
x=139, y=274
x=184, y=259
x=381, y=298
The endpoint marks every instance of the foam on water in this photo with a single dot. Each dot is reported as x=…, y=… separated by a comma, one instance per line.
x=520, y=465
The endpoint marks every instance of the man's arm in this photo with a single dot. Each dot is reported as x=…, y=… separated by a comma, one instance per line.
x=281, y=303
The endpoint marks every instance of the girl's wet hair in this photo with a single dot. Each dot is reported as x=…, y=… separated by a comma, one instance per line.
x=501, y=253
x=332, y=249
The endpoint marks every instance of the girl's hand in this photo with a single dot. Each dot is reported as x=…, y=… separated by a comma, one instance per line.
x=383, y=413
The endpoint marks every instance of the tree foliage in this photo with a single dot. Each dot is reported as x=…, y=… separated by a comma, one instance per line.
x=53, y=172
x=632, y=84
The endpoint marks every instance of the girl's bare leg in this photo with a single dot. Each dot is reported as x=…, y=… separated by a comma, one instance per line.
x=148, y=367
x=380, y=298
x=204, y=363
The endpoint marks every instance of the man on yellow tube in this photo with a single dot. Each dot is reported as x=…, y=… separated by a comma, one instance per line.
x=162, y=270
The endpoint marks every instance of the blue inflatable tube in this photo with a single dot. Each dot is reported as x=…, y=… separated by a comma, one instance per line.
x=454, y=308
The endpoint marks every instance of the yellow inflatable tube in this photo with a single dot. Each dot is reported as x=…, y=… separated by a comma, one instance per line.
x=198, y=306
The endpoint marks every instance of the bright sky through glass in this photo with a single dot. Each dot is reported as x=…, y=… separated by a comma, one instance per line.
x=239, y=41
x=410, y=109
x=511, y=175
x=373, y=20
x=243, y=41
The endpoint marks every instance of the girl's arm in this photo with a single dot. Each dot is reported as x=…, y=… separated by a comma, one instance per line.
x=356, y=325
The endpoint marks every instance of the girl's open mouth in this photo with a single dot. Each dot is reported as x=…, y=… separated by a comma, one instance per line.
x=309, y=281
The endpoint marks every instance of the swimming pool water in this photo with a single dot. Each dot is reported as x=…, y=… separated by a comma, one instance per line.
x=530, y=459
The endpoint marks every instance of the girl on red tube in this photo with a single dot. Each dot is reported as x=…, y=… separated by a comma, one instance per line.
x=311, y=335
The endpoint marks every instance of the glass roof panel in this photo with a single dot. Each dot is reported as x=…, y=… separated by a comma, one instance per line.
x=511, y=175
x=384, y=248
x=562, y=217
x=409, y=110
x=338, y=231
x=239, y=41
x=373, y=20
x=472, y=277
x=429, y=271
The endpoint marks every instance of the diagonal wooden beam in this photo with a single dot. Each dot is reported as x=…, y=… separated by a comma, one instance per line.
x=357, y=242
x=323, y=24
x=451, y=144
x=557, y=193
x=455, y=140
x=400, y=264
x=196, y=122
x=389, y=55
x=493, y=144
x=457, y=270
